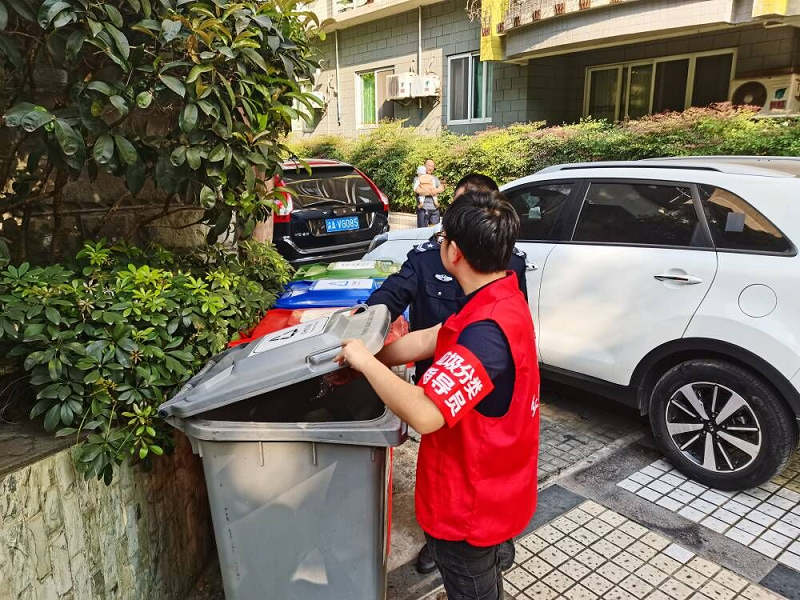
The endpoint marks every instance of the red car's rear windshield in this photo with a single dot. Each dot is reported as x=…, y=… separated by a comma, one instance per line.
x=328, y=185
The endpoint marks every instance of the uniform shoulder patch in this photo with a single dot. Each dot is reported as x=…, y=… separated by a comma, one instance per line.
x=520, y=253
x=427, y=246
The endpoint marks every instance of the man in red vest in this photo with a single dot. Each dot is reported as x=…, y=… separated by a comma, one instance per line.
x=476, y=406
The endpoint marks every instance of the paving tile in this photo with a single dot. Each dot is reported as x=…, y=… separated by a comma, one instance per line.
x=790, y=560
x=690, y=577
x=618, y=538
x=679, y=553
x=789, y=494
x=736, y=508
x=740, y=536
x=579, y=516
x=681, y=496
x=730, y=580
x=661, y=487
x=598, y=527
x=584, y=536
x=780, y=502
x=654, y=540
x=652, y=471
x=633, y=529
x=575, y=570
x=675, y=589
x=590, y=558
x=715, y=524
x=673, y=480
x=612, y=518
x=765, y=548
x=569, y=546
x=726, y=516
x=521, y=553
x=553, y=555
x=693, y=488
x=564, y=525
x=627, y=561
x=778, y=539
x=788, y=530
x=519, y=577
x=665, y=563
x=599, y=585
x=650, y=574
x=714, y=497
x=748, y=501
x=579, y=592
x=703, y=566
x=618, y=593
x=755, y=592
x=715, y=591
x=533, y=543
x=692, y=514
x=540, y=591
x=549, y=534
x=759, y=517
x=537, y=567
x=636, y=586
x=558, y=581
x=642, y=551
x=669, y=503
x=593, y=508
x=703, y=506
x=750, y=527
x=612, y=572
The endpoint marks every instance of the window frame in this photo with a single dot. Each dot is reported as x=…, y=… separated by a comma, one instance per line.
x=580, y=201
x=488, y=75
x=627, y=65
x=360, y=95
x=304, y=126
x=561, y=225
x=790, y=253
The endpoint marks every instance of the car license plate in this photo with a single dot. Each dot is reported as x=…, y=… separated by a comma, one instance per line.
x=341, y=224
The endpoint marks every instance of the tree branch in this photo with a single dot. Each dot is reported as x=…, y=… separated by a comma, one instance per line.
x=109, y=213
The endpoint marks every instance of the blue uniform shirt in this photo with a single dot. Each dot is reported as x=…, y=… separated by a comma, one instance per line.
x=430, y=293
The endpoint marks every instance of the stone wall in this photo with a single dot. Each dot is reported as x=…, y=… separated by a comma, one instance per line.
x=146, y=536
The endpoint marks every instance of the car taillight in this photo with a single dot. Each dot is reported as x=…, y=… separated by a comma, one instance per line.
x=284, y=204
x=384, y=198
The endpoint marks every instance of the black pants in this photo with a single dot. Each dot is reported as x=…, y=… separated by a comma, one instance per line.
x=468, y=572
x=426, y=218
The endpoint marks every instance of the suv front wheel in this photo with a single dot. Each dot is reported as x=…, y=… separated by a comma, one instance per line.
x=721, y=425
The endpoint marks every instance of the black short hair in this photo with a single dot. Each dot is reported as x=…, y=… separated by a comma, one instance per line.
x=476, y=182
x=485, y=226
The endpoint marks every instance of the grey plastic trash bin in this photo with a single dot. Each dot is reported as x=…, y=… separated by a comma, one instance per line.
x=298, y=470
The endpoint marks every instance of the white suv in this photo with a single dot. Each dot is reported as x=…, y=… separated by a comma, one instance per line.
x=673, y=285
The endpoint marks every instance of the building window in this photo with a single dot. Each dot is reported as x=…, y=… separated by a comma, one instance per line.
x=635, y=89
x=301, y=123
x=469, y=89
x=373, y=102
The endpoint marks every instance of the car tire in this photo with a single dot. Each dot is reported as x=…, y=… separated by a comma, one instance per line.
x=721, y=425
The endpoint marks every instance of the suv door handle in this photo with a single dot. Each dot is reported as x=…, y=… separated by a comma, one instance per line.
x=531, y=267
x=687, y=279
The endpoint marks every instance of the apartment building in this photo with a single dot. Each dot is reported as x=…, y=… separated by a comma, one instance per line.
x=551, y=60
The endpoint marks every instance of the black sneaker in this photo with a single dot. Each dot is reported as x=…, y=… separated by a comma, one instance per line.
x=425, y=564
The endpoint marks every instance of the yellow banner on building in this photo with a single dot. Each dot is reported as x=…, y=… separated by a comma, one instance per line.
x=764, y=8
x=493, y=13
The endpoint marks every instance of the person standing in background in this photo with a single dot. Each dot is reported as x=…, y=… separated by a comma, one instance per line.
x=427, y=198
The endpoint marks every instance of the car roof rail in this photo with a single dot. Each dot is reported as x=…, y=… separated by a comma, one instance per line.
x=764, y=166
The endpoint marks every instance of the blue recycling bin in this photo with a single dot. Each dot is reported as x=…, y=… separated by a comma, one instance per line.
x=327, y=293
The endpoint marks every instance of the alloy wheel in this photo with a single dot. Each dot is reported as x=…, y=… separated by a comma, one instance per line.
x=713, y=426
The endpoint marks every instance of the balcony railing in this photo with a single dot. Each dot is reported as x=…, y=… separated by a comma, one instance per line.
x=526, y=12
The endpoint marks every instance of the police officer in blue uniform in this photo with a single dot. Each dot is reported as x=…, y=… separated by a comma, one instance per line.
x=431, y=294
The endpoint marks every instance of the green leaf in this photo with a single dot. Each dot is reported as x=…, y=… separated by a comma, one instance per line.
x=144, y=99
x=119, y=40
x=196, y=72
x=52, y=418
x=113, y=14
x=22, y=9
x=207, y=197
x=101, y=86
x=13, y=51
x=55, y=369
x=52, y=315
x=254, y=56
x=170, y=29
x=92, y=376
x=173, y=83
x=40, y=408
x=120, y=104
x=70, y=140
x=157, y=450
x=36, y=119
x=188, y=117
x=194, y=157
x=48, y=12
x=126, y=150
x=16, y=113
x=135, y=176
x=178, y=156
x=217, y=154
x=128, y=345
x=94, y=27
x=3, y=16
x=66, y=414
x=74, y=44
x=103, y=149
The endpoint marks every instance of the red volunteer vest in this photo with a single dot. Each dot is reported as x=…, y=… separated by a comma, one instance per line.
x=476, y=476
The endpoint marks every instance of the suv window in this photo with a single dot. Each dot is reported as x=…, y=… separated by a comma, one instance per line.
x=639, y=213
x=735, y=225
x=328, y=185
x=538, y=208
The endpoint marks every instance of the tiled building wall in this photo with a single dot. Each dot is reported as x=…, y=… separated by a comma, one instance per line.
x=557, y=83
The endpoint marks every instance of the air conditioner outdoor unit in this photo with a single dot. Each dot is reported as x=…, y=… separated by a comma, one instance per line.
x=425, y=86
x=777, y=96
x=399, y=86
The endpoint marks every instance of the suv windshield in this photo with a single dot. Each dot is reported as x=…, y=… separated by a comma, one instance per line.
x=328, y=185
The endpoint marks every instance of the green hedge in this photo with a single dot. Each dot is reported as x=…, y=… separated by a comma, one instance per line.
x=391, y=153
x=108, y=337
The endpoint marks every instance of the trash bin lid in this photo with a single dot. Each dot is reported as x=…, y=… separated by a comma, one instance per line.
x=277, y=360
x=327, y=293
x=374, y=269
